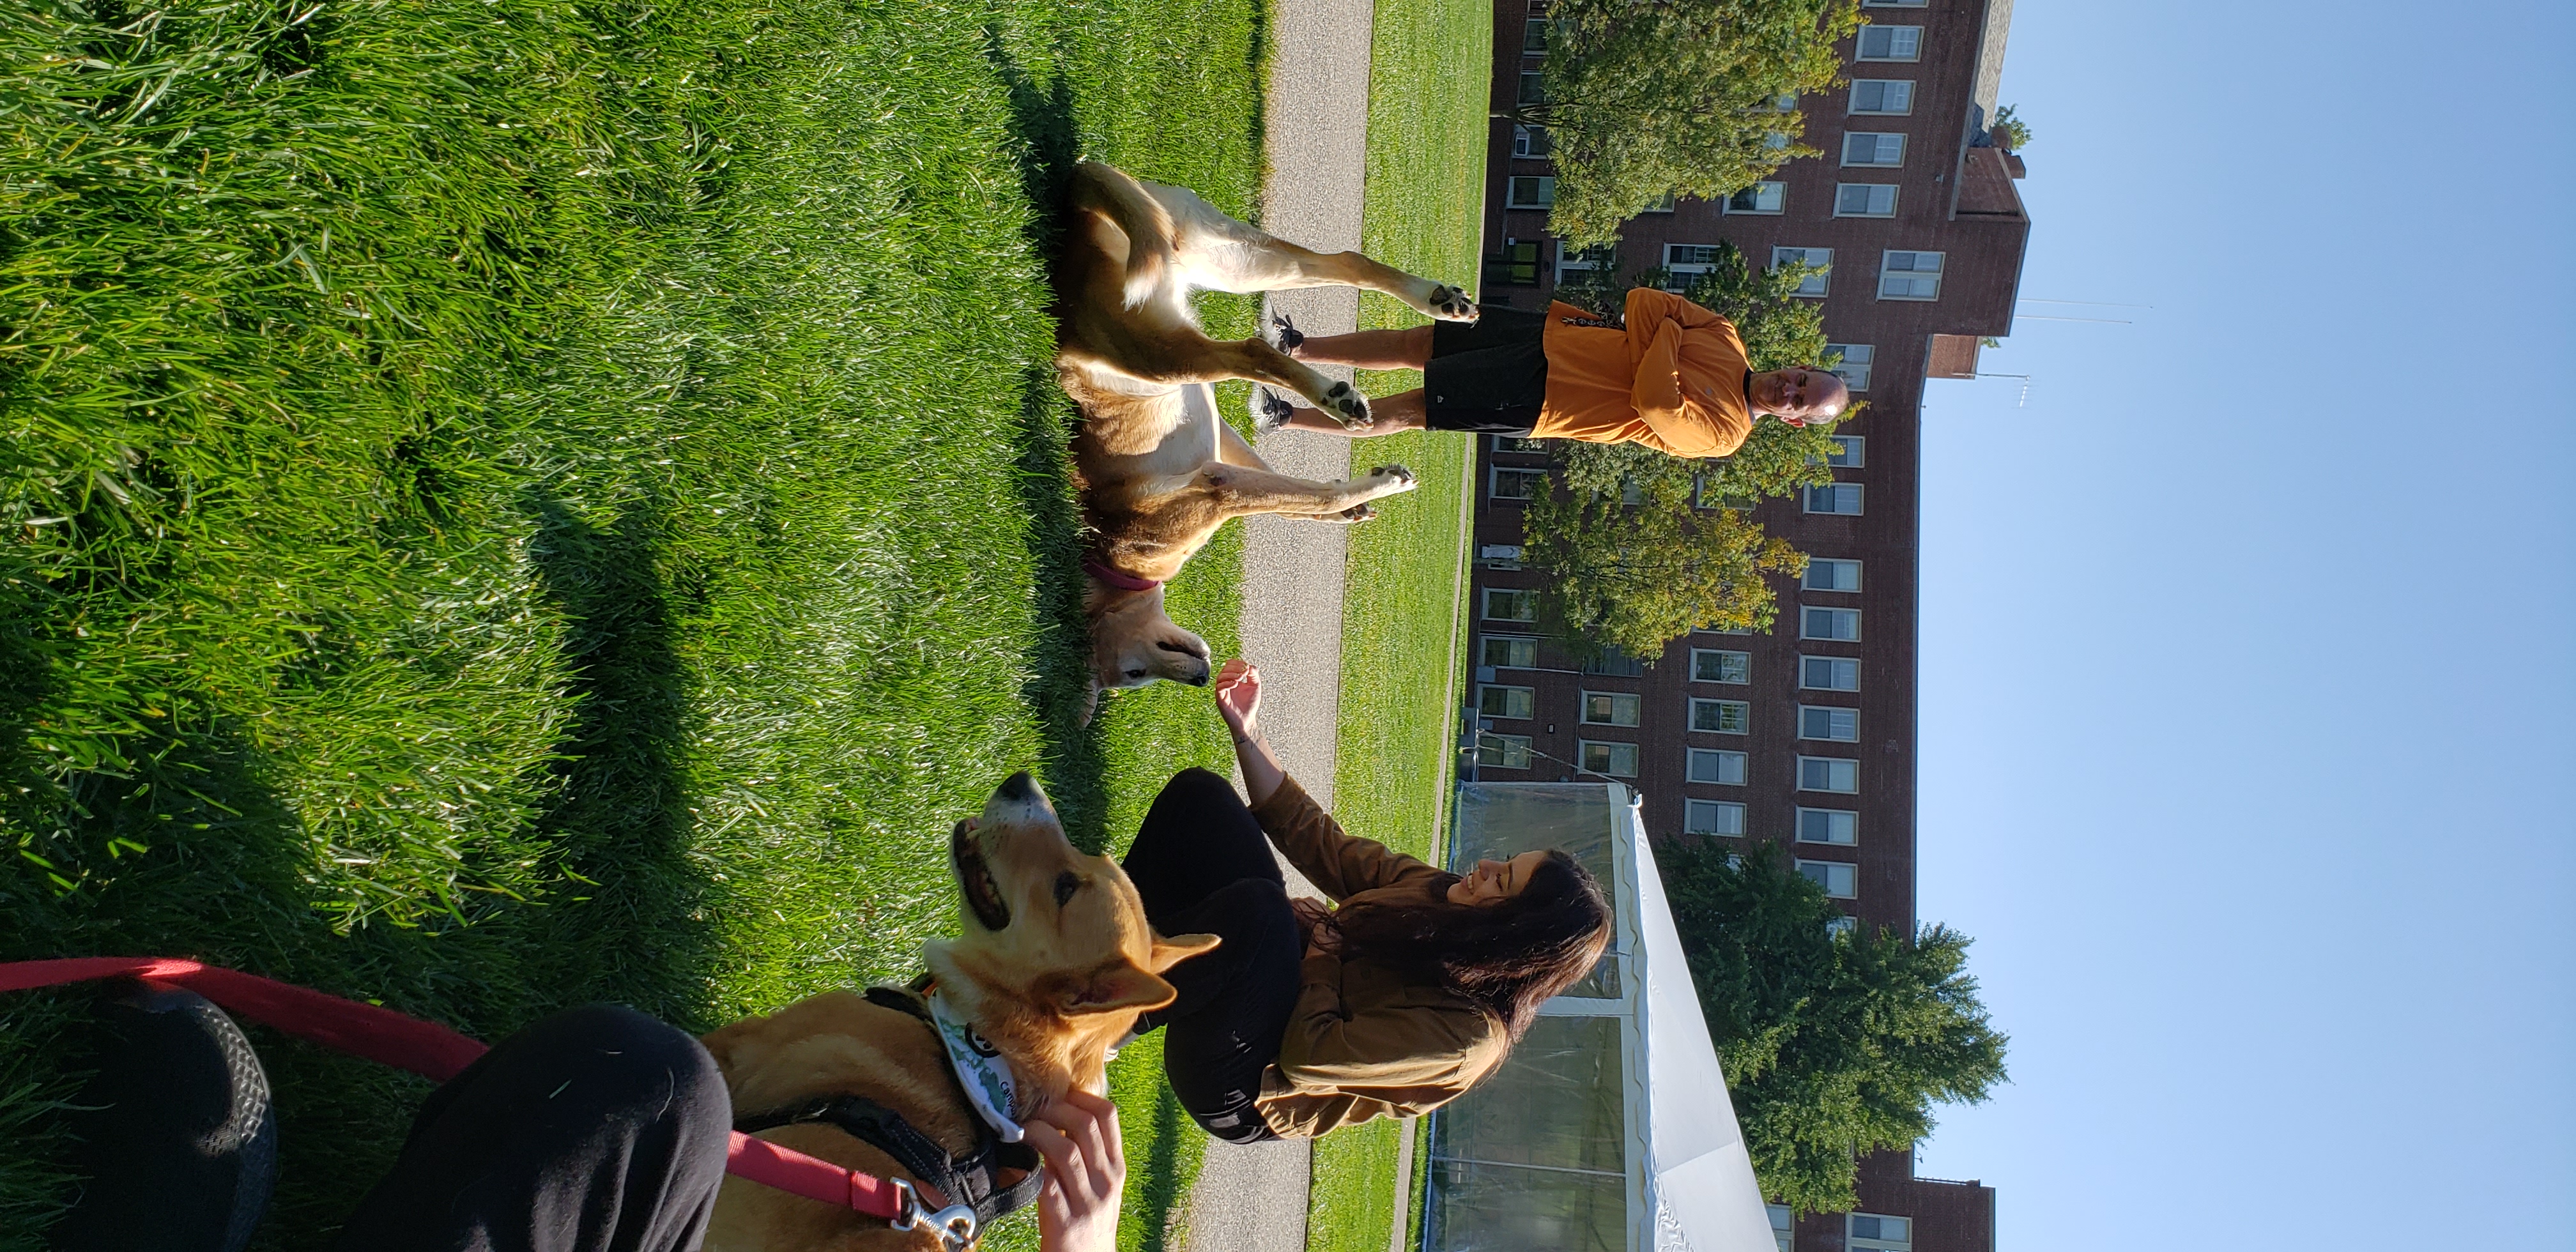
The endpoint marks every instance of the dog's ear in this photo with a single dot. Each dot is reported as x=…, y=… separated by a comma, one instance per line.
x=1179, y=948
x=1115, y=987
x=1090, y=703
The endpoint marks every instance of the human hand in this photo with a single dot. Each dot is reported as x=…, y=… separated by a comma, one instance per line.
x=1086, y=1168
x=1238, y=699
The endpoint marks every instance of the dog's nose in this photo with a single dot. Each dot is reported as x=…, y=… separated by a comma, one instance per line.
x=1018, y=788
x=1200, y=679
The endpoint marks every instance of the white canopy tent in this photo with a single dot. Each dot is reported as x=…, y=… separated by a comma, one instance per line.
x=1609, y=1130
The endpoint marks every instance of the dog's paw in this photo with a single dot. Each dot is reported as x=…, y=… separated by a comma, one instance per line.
x=1346, y=401
x=1356, y=514
x=1397, y=474
x=1450, y=304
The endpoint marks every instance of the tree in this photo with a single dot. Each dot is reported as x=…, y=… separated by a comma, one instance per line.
x=2009, y=132
x=1634, y=576
x=1680, y=97
x=1631, y=561
x=1834, y=1045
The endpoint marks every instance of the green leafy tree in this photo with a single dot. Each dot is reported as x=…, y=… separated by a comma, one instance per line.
x=1632, y=561
x=2009, y=132
x=1679, y=97
x=1834, y=1046
x=1634, y=576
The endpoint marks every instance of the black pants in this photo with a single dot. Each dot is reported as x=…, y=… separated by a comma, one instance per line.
x=1204, y=867
x=598, y=1129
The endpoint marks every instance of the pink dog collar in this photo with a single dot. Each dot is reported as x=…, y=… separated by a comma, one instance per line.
x=1123, y=582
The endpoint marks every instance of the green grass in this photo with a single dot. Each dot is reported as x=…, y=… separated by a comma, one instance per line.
x=511, y=504
x=1428, y=73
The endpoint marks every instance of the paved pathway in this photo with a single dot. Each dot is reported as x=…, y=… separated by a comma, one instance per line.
x=1254, y=1199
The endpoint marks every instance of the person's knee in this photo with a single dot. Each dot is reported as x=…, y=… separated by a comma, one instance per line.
x=647, y=1066
x=1253, y=917
x=1199, y=785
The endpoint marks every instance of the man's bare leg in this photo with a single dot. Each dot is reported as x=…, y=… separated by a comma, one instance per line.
x=1368, y=349
x=1387, y=416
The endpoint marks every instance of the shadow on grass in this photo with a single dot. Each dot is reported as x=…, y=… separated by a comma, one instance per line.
x=620, y=820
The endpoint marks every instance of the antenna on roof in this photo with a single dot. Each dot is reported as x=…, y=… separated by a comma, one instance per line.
x=2024, y=402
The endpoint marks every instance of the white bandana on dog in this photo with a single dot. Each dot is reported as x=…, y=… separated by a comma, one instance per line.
x=980, y=1069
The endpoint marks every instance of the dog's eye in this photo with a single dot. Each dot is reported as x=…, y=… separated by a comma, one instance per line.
x=1066, y=884
x=1136, y=673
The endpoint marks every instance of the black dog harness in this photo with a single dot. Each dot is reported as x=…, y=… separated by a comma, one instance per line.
x=970, y=1180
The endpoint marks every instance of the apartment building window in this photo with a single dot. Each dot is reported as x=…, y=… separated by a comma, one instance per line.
x=1848, y=449
x=1890, y=43
x=1839, y=625
x=1609, y=708
x=1831, y=575
x=1828, y=826
x=1821, y=258
x=1823, y=721
x=1534, y=37
x=1873, y=1233
x=1511, y=604
x=1762, y=197
x=1864, y=200
x=1532, y=192
x=1711, y=765
x=1581, y=259
x=1722, y=717
x=1892, y=97
x=1516, y=484
x=1507, y=651
x=1531, y=142
x=1836, y=928
x=1829, y=773
x=1781, y=1225
x=1618, y=760
x=1854, y=362
x=1828, y=673
x=1712, y=665
x=1841, y=498
x=1712, y=817
x=1533, y=87
x=1909, y=276
x=1502, y=751
x=1880, y=148
x=1615, y=663
x=1840, y=879
x=1512, y=702
x=1686, y=261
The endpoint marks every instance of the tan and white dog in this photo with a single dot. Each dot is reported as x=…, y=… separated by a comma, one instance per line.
x=1055, y=963
x=1159, y=471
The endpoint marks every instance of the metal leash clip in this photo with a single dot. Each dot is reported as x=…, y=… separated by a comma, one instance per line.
x=955, y=1225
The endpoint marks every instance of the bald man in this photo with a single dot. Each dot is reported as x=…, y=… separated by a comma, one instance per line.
x=1671, y=375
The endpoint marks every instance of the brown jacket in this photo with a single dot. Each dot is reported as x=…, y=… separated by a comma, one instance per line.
x=1363, y=1042
x=1673, y=379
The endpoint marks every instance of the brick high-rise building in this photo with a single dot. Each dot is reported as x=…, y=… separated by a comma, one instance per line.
x=1804, y=736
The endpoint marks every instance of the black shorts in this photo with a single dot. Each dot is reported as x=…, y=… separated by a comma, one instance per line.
x=1489, y=376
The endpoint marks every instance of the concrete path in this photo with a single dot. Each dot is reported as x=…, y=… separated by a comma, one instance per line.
x=1253, y=1199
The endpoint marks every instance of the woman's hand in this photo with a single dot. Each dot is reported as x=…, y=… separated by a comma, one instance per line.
x=1238, y=699
x=1086, y=1167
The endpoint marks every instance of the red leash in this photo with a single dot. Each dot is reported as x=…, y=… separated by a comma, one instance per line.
x=433, y=1051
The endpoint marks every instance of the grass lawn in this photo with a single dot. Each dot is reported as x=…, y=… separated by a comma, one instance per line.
x=1430, y=62
x=511, y=504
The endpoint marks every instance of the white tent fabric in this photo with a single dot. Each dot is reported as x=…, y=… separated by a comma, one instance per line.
x=1610, y=1129
x=1706, y=1198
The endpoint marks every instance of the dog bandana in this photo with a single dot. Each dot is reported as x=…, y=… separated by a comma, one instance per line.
x=980, y=1069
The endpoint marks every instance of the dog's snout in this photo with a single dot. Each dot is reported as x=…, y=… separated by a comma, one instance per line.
x=1198, y=679
x=1018, y=788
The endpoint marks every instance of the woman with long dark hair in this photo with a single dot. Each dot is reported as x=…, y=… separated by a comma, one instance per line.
x=1305, y=1019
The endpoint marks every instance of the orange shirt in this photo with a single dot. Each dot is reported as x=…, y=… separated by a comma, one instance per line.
x=1673, y=380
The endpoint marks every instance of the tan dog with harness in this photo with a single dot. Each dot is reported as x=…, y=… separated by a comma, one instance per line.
x=1159, y=471
x=1055, y=963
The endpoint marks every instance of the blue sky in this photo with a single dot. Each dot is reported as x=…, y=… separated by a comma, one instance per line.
x=2247, y=748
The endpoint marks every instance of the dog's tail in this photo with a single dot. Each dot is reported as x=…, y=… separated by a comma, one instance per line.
x=1148, y=225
